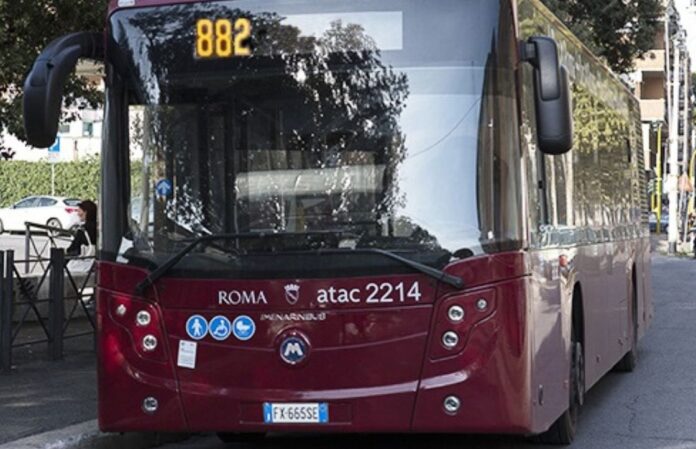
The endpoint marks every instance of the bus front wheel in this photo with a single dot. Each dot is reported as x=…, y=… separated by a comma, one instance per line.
x=629, y=361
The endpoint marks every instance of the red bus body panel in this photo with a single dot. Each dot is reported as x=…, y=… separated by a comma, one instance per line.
x=381, y=368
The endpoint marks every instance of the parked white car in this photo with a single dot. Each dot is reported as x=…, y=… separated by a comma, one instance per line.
x=46, y=210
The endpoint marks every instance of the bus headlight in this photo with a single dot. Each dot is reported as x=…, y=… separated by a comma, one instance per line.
x=142, y=322
x=450, y=339
x=150, y=405
x=452, y=404
x=143, y=318
x=149, y=343
x=455, y=313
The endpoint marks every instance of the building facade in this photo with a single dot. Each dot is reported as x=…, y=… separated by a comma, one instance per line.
x=79, y=139
x=654, y=79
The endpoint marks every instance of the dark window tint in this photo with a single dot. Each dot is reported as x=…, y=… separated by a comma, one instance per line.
x=72, y=202
x=46, y=202
x=395, y=125
x=29, y=202
x=87, y=129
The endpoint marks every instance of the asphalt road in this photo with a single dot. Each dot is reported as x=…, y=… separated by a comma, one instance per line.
x=16, y=243
x=653, y=407
x=41, y=395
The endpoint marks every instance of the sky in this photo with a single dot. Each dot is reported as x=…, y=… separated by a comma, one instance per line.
x=688, y=19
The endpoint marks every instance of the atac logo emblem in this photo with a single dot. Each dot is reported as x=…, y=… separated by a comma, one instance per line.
x=294, y=350
x=292, y=293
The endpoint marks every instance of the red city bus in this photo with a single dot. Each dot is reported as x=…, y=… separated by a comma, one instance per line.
x=357, y=216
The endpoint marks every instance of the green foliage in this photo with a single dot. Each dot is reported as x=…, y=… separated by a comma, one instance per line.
x=26, y=27
x=73, y=179
x=618, y=30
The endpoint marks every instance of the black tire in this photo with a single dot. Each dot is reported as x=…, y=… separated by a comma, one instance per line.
x=562, y=432
x=232, y=438
x=629, y=361
x=54, y=223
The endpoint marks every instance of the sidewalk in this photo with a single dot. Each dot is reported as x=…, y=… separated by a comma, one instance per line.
x=660, y=245
x=41, y=395
x=48, y=404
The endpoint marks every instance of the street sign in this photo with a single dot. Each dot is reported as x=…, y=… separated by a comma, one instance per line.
x=54, y=151
x=164, y=188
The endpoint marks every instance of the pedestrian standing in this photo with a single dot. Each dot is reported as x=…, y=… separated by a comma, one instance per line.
x=87, y=233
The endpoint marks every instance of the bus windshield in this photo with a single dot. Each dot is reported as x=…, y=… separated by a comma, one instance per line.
x=331, y=124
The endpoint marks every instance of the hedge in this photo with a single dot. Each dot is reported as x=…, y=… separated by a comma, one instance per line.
x=19, y=179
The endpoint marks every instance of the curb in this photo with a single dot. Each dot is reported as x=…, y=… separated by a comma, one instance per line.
x=86, y=435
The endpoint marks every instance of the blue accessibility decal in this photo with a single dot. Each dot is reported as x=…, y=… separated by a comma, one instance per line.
x=243, y=328
x=164, y=188
x=197, y=327
x=220, y=328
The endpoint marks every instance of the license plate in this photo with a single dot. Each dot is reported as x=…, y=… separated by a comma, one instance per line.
x=298, y=413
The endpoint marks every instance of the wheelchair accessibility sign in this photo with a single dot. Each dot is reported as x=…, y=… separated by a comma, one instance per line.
x=220, y=328
x=197, y=327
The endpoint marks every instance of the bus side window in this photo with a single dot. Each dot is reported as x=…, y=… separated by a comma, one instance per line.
x=563, y=189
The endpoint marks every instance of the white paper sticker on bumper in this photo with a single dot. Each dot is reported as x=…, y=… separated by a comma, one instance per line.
x=187, y=354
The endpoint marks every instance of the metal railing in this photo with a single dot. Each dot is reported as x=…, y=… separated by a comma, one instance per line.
x=25, y=298
x=53, y=237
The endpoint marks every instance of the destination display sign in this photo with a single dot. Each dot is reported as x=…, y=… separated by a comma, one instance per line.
x=222, y=38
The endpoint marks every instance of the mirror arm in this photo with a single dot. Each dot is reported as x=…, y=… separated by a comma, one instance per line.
x=529, y=54
x=43, y=87
x=541, y=52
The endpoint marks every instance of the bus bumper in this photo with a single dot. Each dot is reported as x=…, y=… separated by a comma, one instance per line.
x=488, y=372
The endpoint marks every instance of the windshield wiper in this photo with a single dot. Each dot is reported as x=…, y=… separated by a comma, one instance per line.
x=454, y=281
x=161, y=270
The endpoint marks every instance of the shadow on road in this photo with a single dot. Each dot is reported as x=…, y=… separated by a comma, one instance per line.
x=401, y=441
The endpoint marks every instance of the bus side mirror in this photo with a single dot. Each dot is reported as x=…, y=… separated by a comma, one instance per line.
x=554, y=116
x=43, y=87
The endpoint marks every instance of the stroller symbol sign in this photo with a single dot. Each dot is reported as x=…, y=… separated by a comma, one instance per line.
x=243, y=328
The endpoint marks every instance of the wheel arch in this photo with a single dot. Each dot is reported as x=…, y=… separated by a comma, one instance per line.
x=56, y=219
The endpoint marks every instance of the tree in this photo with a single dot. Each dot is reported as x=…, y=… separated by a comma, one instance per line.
x=618, y=30
x=26, y=27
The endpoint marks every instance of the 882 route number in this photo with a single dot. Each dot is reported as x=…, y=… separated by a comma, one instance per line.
x=373, y=293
